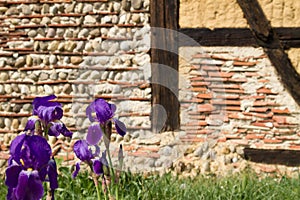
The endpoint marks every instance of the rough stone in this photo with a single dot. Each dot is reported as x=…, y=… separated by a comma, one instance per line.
x=15, y=124
x=137, y=4
x=62, y=75
x=75, y=60
x=26, y=9
x=48, y=89
x=89, y=20
x=67, y=89
x=51, y=33
x=32, y=33
x=126, y=4
x=43, y=76
x=3, y=76
x=20, y=62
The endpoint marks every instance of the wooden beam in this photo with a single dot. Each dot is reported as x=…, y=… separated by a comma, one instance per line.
x=273, y=156
x=164, y=59
x=267, y=38
x=289, y=37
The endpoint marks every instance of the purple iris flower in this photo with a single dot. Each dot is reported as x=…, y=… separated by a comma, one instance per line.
x=101, y=112
x=47, y=115
x=84, y=152
x=29, y=165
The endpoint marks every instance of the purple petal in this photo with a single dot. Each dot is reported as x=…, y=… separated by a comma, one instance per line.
x=39, y=150
x=52, y=174
x=29, y=186
x=57, y=128
x=30, y=125
x=94, y=134
x=97, y=166
x=90, y=110
x=82, y=151
x=12, y=174
x=103, y=110
x=16, y=146
x=38, y=101
x=50, y=113
x=54, y=129
x=77, y=168
x=120, y=127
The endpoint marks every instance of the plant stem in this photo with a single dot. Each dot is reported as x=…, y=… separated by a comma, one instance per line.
x=97, y=188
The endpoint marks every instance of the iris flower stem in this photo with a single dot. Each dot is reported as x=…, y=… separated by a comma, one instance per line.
x=111, y=166
x=97, y=187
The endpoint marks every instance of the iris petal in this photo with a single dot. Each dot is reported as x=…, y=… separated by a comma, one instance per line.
x=104, y=111
x=38, y=101
x=97, y=166
x=52, y=174
x=82, y=151
x=94, y=134
x=58, y=127
x=40, y=150
x=16, y=146
x=30, y=125
x=12, y=174
x=50, y=113
x=120, y=127
x=77, y=168
x=29, y=186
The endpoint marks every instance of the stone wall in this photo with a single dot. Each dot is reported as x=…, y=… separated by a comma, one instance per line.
x=76, y=50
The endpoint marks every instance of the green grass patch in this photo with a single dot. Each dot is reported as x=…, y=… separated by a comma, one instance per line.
x=240, y=186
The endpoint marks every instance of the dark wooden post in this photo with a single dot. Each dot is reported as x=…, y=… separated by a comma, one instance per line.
x=164, y=58
x=268, y=39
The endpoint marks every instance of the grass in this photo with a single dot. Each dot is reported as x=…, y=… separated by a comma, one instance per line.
x=243, y=186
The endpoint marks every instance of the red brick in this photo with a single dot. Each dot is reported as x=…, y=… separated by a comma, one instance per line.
x=198, y=78
x=264, y=110
x=294, y=147
x=241, y=63
x=255, y=136
x=272, y=141
x=205, y=95
x=233, y=137
x=197, y=84
x=281, y=111
x=287, y=137
x=223, y=86
x=280, y=119
x=198, y=123
x=238, y=116
x=206, y=108
x=252, y=74
x=200, y=117
x=233, y=108
x=184, y=139
x=263, y=81
x=210, y=68
x=198, y=89
x=265, y=91
x=260, y=124
x=269, y=115
x=232, y=96
x=226, y=102
x=221, y=74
